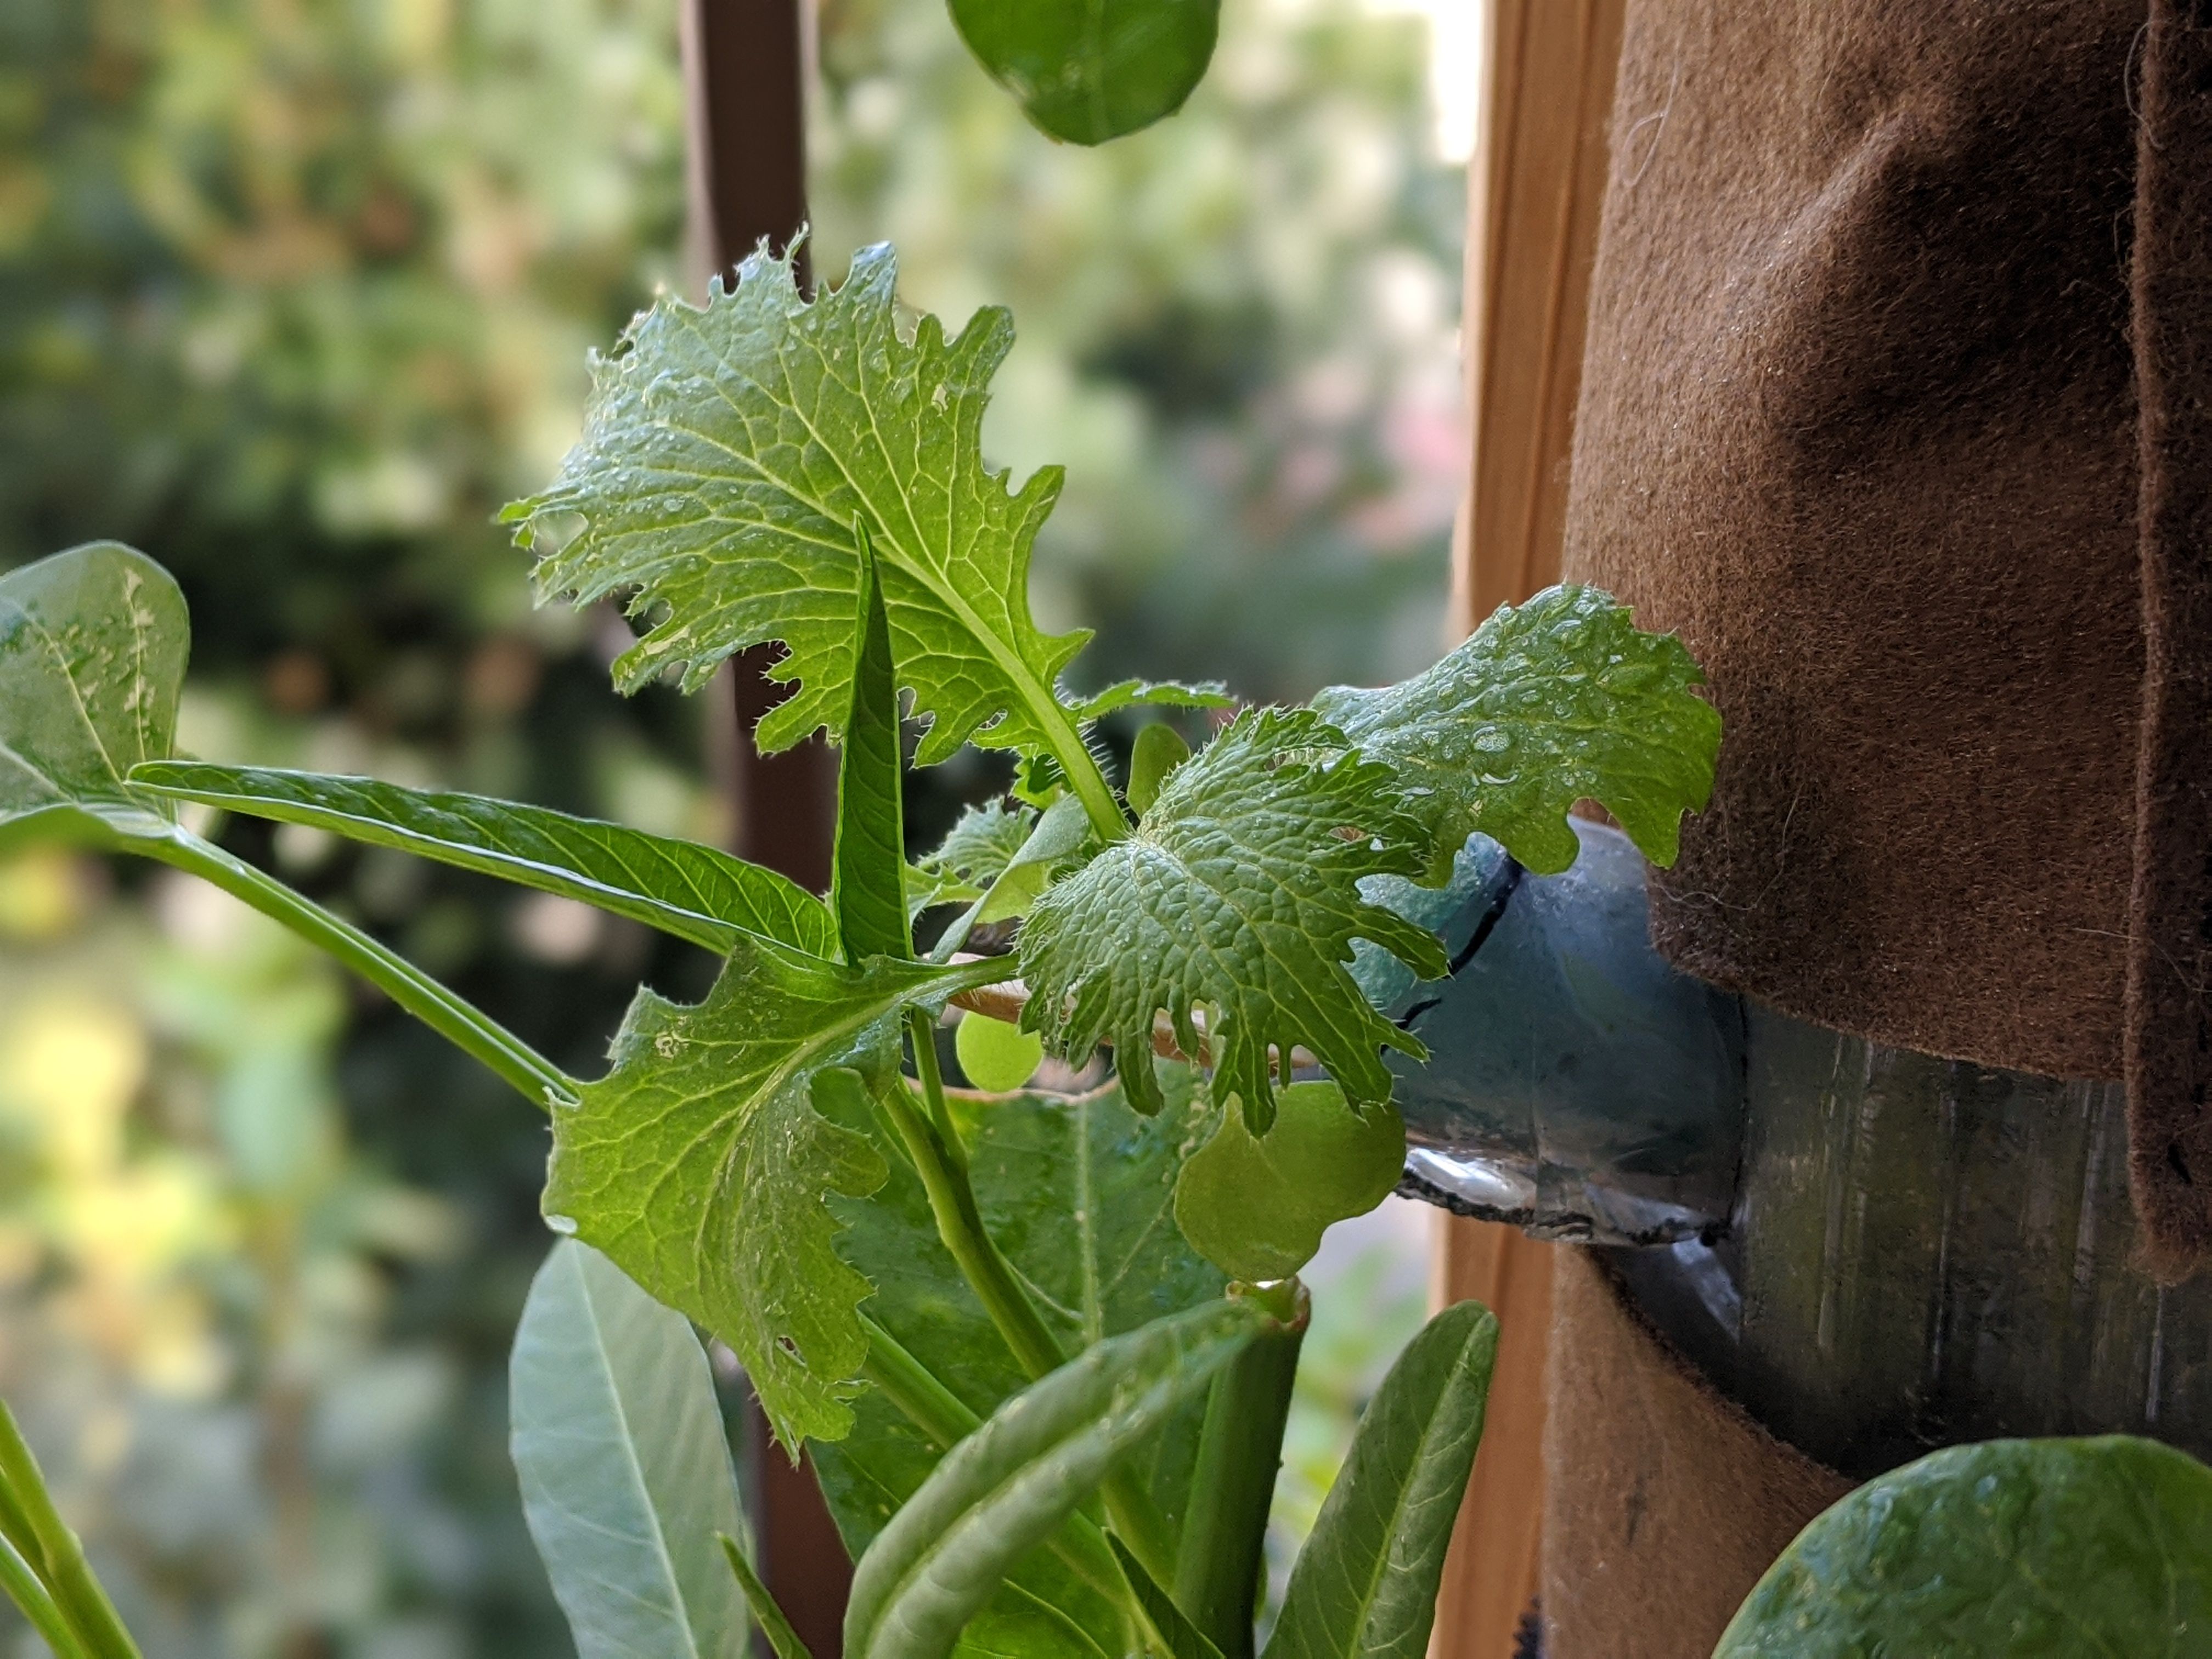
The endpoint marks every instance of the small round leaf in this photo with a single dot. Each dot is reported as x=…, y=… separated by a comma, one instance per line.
x=1256, y=1206
x=995, y=1055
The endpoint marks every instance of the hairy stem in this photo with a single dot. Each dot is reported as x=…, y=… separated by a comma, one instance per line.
x=452, y=1016
x=59, y=1565
x=1239, y=1451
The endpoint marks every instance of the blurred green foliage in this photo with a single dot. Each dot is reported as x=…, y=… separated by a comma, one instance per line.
x=293, y=294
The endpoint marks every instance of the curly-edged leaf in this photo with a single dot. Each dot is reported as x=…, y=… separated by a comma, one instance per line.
x=1556, y=700
x=1364, y=1586
x=1256, y=1206
x=625, y=1472
x=1010, y=1484
x=93, y=643
x=978, y=848
x=2061, y=1546
x=730, y=451
x=1092, y=72
x=867, y=888
x=1154, y=693
x=1238, y=893
x=1076, y=1190
x=700, y=1164
x=693, y=892
x=1182, y=1640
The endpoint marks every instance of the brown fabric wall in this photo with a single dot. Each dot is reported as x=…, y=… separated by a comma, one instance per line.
x=1662, y=1502
x=1860, y=419
x=2169, y=1047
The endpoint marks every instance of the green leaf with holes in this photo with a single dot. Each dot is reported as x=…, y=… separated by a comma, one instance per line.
x=93, y=643
x=1554, y=701
x=1091, y=72
x=700, y=1163
x=2062, y=1546
x=1238, y=894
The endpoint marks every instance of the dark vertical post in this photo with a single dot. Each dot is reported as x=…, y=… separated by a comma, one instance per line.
x=745, y=70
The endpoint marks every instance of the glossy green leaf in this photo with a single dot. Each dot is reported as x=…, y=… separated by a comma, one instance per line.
x=2096, y=1547
x=1182, y=1640
x=681, y=888
x=1076, y=1190
x=626, y=1479
x=700, y=1163
x=1062, y=835
x=1256, y=1206
x=93, y=643
x=1091, y=72
x=1158, y=752
x=868, y=864
x=1238, y=893
x=1010, y=1485
x=783, y=1641
x=994, y=1054
x=1364, y=1586
x=1550, y=702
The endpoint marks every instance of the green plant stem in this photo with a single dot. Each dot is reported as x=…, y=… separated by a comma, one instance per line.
x=932, y=1142
x=77, y=1596
x=1240, y=1451
x=452, y=1016
x=30, y=1597
x=1099, y=801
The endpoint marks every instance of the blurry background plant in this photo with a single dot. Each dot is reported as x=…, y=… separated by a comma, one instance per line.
x=293, y=294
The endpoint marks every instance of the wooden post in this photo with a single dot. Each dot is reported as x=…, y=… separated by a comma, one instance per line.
x=744, y=65
x=1533, y=197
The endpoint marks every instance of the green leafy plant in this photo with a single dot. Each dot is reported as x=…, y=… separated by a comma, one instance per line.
x=998, y=1318
x=1040, y=1343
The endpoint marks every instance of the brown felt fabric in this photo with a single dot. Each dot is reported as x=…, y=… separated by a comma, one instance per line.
x=2169, y=1038
x=1860, y=417
x=1662, y=1502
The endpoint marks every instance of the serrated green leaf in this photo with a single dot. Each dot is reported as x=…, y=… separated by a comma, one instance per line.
x=1256, y=1206
x=1076, y=1191
x=1364, y=1586
x=1092, y=72
x=783, y=1641
x=1061, y=835
x=868, y=863
x=625, y=1472
x=1154, y=693
x=730, y=451
x=1238, y=893
x=1158, y=752
x=2093, y=1546
x=693, y=892
x=1183, y=1639
x=700, y=1164
x=995, y=1055
x=1010, y=1485
x=979, y=846
x=1554, y=701
x=93, y=643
